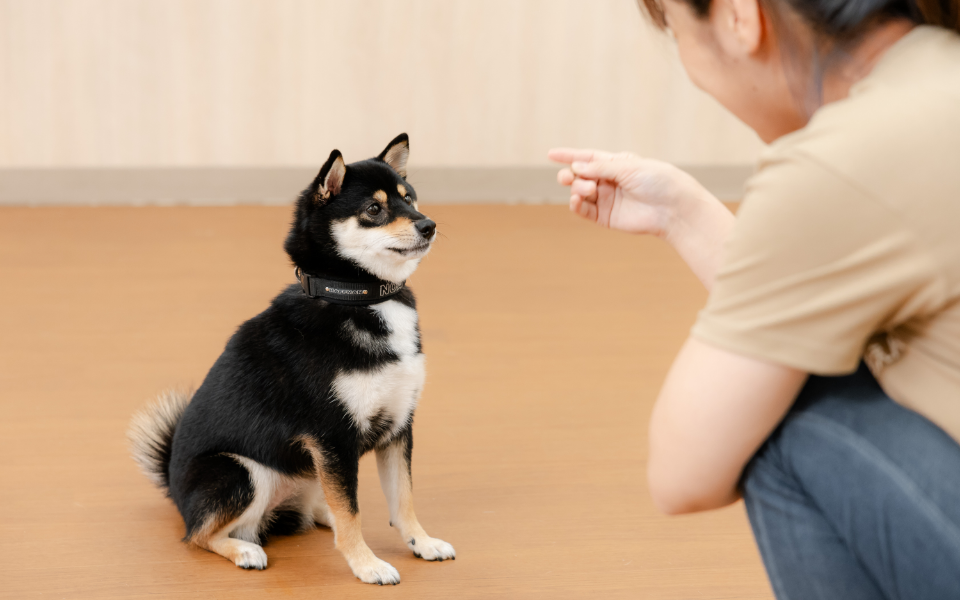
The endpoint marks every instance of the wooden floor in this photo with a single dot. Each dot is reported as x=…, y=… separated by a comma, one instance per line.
x=546, y=341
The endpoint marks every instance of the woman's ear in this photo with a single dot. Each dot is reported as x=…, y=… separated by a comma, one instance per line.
x=739, y=26
x=330, y=178
x=396, y=154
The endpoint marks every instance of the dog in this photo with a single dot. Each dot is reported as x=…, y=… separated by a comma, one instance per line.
x=271, y=440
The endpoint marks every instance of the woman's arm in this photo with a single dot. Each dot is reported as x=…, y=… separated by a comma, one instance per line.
x=714, y=411
x=716, y=408
x=623, y=191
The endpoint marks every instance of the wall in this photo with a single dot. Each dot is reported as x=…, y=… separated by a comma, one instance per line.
x=222, y=83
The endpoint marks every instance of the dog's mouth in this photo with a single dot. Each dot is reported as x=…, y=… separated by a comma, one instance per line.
x=416, y=249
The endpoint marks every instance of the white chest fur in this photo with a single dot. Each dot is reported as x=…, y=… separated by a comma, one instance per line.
x=392, y=390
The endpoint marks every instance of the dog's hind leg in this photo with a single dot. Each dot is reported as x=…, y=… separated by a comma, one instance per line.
x=229, y=505
x=393, y=464
x=244, y=554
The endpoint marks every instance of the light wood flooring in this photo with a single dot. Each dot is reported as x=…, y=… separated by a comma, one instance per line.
x=546, y=341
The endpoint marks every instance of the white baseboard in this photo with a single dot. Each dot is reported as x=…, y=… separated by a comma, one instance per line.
x=232, y=186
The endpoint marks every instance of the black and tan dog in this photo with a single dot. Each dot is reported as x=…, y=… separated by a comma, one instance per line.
x=271, y=440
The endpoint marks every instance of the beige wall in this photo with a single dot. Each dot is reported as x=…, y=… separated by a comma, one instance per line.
x=282, y=82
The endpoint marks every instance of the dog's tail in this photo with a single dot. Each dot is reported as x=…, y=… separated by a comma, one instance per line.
x=151, y=434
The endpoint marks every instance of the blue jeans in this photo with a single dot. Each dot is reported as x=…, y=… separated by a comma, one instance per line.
x=856, y=497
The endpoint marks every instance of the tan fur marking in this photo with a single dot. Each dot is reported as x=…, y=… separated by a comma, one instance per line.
x=347, y=533
x=347, y=536
x=239, y=552
x=380, y=196
x=313, y=449
x=213, y=525
x=216, y=538
x=226, y=547
x=402, y=189
x=216, y=525
x=401, y=227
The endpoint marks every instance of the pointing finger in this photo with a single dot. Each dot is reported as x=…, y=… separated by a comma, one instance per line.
x=569, y=155
x=611, y=168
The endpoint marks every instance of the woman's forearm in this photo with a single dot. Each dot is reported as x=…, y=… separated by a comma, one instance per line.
x=698, y=228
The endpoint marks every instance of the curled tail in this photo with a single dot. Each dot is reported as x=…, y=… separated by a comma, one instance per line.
x=151, y=434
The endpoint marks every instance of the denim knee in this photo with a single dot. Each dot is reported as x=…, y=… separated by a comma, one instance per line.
x=854, y=494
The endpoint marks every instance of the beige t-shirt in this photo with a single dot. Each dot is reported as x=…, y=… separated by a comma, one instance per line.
x=847, y=243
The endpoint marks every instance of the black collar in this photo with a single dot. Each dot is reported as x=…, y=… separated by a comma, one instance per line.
x=346, y=292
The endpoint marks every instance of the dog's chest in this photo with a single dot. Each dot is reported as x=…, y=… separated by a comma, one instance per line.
x=388, y=392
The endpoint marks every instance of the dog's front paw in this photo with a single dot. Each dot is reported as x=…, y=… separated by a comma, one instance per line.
x=374, y=570
x=251, y=556
x=429, y=548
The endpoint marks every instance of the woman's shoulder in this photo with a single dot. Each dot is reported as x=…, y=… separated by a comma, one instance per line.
x=900, y=124
x=892, y=145
x=928, y=57
x=874, y=174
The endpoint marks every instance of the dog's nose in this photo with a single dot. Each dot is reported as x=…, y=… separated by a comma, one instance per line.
x=426, y=227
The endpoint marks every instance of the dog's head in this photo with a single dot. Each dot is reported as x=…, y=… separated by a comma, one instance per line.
x=361, y=216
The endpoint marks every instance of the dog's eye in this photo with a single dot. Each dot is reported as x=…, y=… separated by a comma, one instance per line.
x=408, y=198
x=373, y=210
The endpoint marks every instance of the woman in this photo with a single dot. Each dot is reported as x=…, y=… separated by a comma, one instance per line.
x=841, y=270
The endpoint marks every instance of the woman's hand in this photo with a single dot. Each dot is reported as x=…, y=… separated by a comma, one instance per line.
x=637, y=195
x=623, y=191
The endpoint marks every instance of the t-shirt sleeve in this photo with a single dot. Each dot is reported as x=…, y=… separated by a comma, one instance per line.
x=814, y=266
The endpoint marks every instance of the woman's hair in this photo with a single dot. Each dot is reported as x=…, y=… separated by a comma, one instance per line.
x=835, y=27
x=842, y=20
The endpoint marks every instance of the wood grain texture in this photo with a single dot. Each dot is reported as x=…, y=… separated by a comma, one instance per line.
x=546, y=342
x=193, y=83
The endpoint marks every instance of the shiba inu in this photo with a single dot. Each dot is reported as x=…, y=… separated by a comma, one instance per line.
x=270, y=441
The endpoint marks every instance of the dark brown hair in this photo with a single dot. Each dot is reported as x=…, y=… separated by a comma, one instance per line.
x=842, y=20
x=835, y=28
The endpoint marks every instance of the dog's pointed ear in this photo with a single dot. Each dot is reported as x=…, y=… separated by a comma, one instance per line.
x=330, y=178
x=396, y=154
